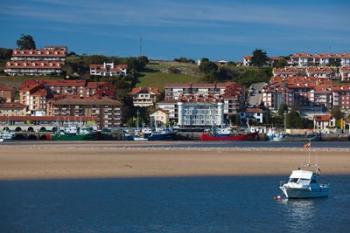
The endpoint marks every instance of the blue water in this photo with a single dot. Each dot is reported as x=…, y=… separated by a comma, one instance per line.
x=183, y=204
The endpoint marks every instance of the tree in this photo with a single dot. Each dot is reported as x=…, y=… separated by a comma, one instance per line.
x=337, y=113
x=259, y=58
x=5, y=54
x=282, y=109
x=294, y=120
x=26, y=42
x=207, y=66
x=281, y=62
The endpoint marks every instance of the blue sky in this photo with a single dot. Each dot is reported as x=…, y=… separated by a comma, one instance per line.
x=220, y=29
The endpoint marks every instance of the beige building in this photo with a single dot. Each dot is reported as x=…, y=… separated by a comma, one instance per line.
x=107, y=111
x=160, y=116
x=13, y=109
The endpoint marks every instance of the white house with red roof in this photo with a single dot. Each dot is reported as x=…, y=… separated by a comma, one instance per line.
x=109, y=70
x=144, y=96
x=323, y=122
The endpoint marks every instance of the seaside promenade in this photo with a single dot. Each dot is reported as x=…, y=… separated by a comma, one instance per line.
x=158, y=159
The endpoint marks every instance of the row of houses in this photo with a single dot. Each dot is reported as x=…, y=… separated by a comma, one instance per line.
x=66, y=98
x=45, y=61
x=308, y=59
x=341, y=73
x=306, y=92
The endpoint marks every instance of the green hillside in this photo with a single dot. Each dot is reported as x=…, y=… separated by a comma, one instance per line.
x=160, y=73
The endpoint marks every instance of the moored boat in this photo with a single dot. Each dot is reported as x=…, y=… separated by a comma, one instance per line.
x=304, y=184
x=232, y=137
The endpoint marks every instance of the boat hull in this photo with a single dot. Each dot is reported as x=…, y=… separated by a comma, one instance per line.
x=240, y=137
x=159, y=137
x=75, y=137
x=304, y=193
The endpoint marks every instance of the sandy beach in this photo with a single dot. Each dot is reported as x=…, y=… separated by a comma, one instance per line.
x=97, y=160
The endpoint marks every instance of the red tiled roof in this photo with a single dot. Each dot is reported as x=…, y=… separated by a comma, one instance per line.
x=46, y=52
x=7, y=106
x=40, y=92
x=254, y=110
x=248, y=57
x=150, y=90
x=76, y=100
x=46, y=118
x=323, y=118
x=33, y=64
x=344, y=69
x=319, y=69
x=66, y=83
x=302, y=55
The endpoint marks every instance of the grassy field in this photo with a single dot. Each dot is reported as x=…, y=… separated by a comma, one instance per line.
x=158, y=75
x=16, y=81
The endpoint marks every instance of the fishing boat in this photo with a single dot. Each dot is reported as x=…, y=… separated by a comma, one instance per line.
x=232, y=137
x=162, y=134
x=74, y=133
x=303, y=182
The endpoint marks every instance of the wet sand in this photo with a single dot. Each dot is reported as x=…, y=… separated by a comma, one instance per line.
x=101, y=160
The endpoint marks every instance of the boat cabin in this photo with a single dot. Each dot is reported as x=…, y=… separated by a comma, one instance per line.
x=303, y=177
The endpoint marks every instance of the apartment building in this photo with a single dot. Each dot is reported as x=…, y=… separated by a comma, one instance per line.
x=108, y=69
x=13, y=109
x=144, y=97
x=288, y=71
x=321, y=72
x=200, y=112
x=230, y=92
x=105, y=110
x=297, y=91
x=49, y=54
x=341, y=97
x=35, y=94
x=344, y=73
x=33, y=68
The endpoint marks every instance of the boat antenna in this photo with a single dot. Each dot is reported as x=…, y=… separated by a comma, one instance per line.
x=307, y=146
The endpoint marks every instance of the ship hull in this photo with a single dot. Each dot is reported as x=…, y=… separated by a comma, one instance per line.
x=303, y=193
x=240, y=137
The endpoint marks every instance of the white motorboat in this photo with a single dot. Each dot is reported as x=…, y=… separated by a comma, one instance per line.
x=304, y=184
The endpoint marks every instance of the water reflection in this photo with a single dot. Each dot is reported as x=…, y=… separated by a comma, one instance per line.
x=300, y=214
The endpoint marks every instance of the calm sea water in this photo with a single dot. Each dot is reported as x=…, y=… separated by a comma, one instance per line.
x=186, y=204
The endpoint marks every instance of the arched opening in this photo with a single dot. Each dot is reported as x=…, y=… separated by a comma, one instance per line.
x=42, y=129
x=30, y=129
x=54, y=129
x=18, y=129
x=6, y=129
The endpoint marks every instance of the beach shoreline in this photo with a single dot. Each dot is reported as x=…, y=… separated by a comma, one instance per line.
x=128, y=160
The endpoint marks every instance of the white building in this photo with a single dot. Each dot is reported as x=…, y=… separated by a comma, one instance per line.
x=323, y=122
x=33, y=68
x=144, y=97
x=255, y=114
x=200, y=113
x=171, y=107
x=108, y=69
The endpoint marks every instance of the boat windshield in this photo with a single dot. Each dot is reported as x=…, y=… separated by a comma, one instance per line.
x=304, y=181
x=293, y=180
